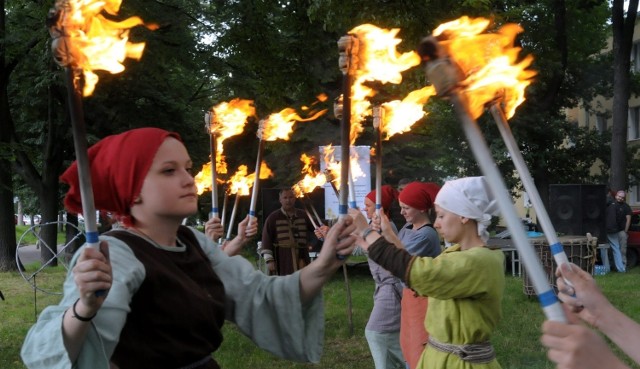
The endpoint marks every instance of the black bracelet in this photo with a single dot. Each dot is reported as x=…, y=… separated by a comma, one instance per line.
x=81, y=318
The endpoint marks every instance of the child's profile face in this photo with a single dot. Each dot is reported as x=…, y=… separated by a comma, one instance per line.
x=369, y=207
x=448, y=225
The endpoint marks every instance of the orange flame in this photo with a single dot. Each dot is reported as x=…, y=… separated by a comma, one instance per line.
x=240, y=182
x=333, y=167
x=378, y=60
x=399, y=116
x=490, y=62
x=312, y=178
x=203, y=179
x=228, y=119
x=91, y=42
x=280, y=125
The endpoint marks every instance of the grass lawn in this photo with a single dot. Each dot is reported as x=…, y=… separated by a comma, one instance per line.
x=516, y=339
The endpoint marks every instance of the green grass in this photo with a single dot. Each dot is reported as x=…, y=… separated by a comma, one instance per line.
x=26, y=235
x=516, y=339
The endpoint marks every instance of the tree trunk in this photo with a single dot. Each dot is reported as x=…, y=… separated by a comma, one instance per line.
x=7, y=221
x=622, y=42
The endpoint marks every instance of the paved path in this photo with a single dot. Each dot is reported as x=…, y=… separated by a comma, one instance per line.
x=30, y=253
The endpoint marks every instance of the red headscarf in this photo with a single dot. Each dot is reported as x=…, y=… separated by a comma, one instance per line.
x=389, y=194
x=119, y=165
x=419, y=195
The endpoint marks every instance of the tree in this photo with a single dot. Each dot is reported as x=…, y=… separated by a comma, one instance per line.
x=623, y=29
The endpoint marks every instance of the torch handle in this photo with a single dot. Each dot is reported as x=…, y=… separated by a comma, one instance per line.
x=345, y=142
x=72, y=77
x=73, y=80
x=214, y=182
x=256, y=183
x=352, y=191
x=233, y=216
x=527, y=181
x=546, y=296
x=379, y=161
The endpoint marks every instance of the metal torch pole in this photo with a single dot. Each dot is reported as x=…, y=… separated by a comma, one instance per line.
x=74, y=82
x=233, y=216
x=256, y=182
x=210, y=124
x=547, y=298
x=527, y=181
x=346, y=46
x=378, y=117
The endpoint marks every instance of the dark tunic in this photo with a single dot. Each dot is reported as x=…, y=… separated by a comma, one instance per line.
x=177, y=314
x=286, y=237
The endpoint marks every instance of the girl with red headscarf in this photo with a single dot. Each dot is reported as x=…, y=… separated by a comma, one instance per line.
x=419, y=238
x=167, y=288
x=383, y=328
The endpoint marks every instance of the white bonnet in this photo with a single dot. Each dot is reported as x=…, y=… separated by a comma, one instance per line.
x=471, y=198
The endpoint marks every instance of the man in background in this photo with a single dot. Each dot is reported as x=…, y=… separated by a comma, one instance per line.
x=618, y=220
x=287, y=236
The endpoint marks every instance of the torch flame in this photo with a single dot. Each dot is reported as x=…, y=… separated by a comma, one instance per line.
x=228, y=119
x=399, y=116
x=280, y=125
x=203, y=179
x=240, y=183
x=86, y=40
x=490, y=62
x=312, y=178
x=378, y=61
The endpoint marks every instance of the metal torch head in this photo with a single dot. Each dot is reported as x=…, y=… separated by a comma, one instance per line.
x=378, y=116
x=441, y=70
x=60, y=44
x=348, y=46
x=209, y=118
x=261, y=127
x=337, y=107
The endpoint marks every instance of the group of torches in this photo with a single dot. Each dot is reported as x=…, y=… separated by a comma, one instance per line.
x=472, y=67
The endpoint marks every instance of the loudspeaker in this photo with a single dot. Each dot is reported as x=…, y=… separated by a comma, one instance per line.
x=578, y=209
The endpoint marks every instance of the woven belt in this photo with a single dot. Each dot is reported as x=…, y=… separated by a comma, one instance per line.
x=475, y=353
x=288, y=246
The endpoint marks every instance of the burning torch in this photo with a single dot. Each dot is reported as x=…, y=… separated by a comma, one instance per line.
x=378, y=119
x=348, y=46
x=77, y=29
x=210, y=126
x=446, y=77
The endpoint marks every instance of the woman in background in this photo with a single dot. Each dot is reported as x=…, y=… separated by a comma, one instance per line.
x=383, y=328
x=419, y=238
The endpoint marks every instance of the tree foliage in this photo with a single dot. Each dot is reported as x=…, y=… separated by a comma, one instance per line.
x=283, y=54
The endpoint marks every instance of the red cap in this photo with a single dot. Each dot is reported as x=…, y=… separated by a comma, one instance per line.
x=389, y=194
x=119, y=165
x=419, y=195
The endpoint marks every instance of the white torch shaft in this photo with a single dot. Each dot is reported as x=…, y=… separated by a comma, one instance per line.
x=378, y=116
x=546, y=296
x=256, y=183
x=82, y=159
x=527, y=181
x=233, y=216
x=214, y=181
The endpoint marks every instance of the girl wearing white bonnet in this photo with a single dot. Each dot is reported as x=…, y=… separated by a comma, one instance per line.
x=465, y=283
x=470, y=198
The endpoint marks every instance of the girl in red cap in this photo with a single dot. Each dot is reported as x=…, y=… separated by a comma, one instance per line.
x=167, y=288
x=383, y=328
x=419, y=238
